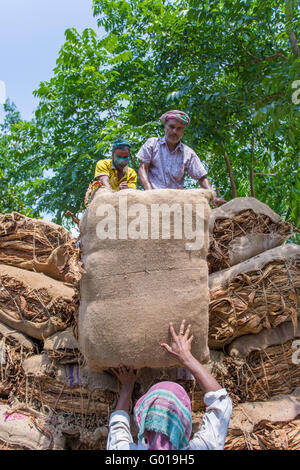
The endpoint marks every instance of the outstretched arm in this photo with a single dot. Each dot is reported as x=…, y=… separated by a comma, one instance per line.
x=143, y=175
x=119, y=435
x=127, y=379
x=181, y=348
x=105, y=180
x=215, y=422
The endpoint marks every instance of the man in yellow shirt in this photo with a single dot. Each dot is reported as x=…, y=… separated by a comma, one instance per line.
x=114, y=173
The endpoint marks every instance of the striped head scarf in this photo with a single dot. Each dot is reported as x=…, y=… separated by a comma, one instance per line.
x=163, y=416
x=176, y=114
x=120, y=143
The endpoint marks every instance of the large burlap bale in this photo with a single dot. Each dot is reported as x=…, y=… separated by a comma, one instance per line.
x=241, y=229
x=33, y=303
x=133, y=288
x=262, y=292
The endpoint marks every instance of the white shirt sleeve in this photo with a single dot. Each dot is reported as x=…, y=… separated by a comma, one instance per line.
x=215, y=422
x=119, y=435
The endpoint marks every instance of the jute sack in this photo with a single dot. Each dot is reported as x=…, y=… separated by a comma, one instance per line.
x=34, y=303
x=271, y=425
x=241, y=229
x=28, y=429
x=133, y=287
x=243, y=346
x=279, y=408
x=262, y=292
x=71, y=388
x=62, y=347
x=15, y=347
x=23, y=238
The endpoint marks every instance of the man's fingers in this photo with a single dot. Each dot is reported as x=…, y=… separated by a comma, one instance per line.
x=167, y=347
x=187, y=332
x=174, y=335
x=191, y=339
x=181, y=330
x=114, y=371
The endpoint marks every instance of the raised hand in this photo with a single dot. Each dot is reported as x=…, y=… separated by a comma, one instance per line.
x=181, y=343
x=127, y=376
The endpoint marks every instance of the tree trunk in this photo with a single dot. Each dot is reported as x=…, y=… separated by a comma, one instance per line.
x=232, y=183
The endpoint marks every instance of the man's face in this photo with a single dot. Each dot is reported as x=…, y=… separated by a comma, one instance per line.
x=174, y=131
x=120, y=158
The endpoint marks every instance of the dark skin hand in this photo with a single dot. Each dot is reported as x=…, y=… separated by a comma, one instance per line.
x=127, y=377
x=143, y=175
x=181, y=349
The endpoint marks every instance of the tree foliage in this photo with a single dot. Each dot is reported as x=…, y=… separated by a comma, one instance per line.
x=231, y=65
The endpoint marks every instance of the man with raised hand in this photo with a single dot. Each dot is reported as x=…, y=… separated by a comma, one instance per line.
x=163, y=415
x=166, y=160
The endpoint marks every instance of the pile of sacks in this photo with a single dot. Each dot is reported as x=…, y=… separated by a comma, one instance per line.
x=49, y=398
x=254, y=288
x=253, y=324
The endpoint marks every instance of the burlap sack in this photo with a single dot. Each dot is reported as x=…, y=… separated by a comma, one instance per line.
x=279, y=408
x=63, y=264
x=62, y=347
x=258, y=229
x=17, y=337
x=71, y=388
x=243, y=346
x=34, y=303
x=15, y=347
x=262, y=292
x=272, y=425
x=27, y=429
x=133, y=288
x=23, y=238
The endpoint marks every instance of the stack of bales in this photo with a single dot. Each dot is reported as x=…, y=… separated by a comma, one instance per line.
x=49, y=399
x=253, y=323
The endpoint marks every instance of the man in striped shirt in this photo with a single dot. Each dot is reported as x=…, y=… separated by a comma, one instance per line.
x=166, y=160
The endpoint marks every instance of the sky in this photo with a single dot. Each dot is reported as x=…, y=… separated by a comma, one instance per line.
x=31, y=35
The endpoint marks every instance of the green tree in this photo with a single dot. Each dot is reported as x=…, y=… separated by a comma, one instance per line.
x=15, y=172
x=230, y=65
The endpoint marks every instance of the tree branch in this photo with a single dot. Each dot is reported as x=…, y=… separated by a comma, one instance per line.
x=232, y=183
x=251, y=168
x=294, y=44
